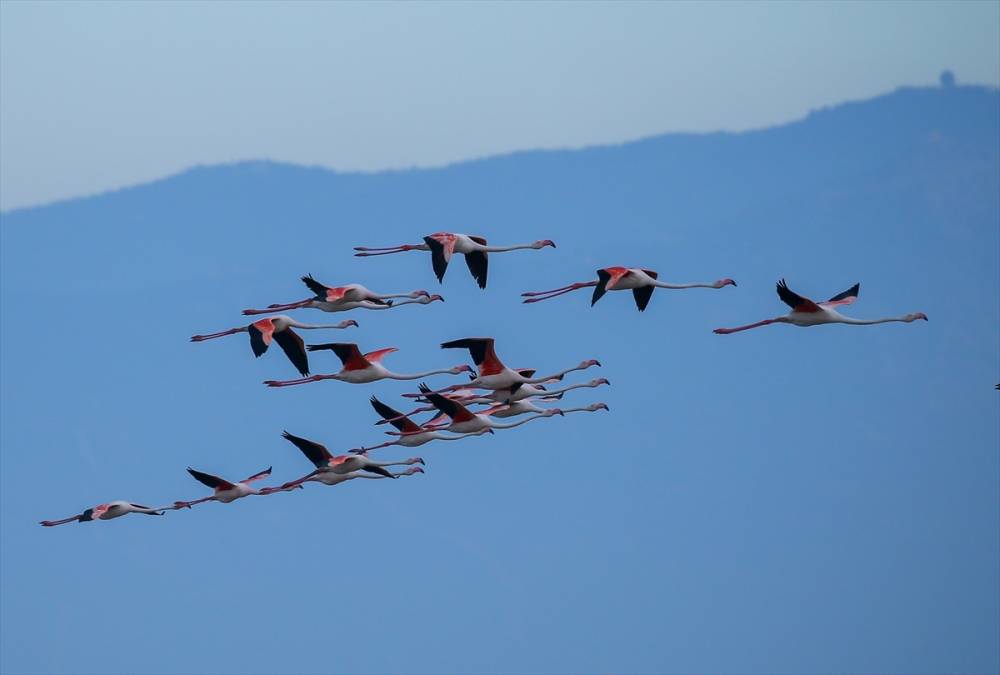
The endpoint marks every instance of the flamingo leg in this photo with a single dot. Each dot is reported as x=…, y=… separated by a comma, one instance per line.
x=52, y=523
x=369, y=251
x=555, y=292
x=727, y=331
x=187, y=505
x=271, y=309
x=211, y=336
x=375, y=447
x=302, y=380
x=412, y=412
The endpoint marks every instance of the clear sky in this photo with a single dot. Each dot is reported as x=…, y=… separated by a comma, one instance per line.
x=99, y=95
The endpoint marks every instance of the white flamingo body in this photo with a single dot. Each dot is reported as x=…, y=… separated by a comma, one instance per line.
x=807, y=313
x=642, y=283
x=465, y=421
x=106, y=511
x=493, y=374
x=413, y=435
x=223, y=490
x=331, y=478
x=443, y=245
x=326, y=462
x=362, y=368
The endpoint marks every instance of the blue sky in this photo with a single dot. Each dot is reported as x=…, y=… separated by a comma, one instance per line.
x=94, y=96
x=784, y=500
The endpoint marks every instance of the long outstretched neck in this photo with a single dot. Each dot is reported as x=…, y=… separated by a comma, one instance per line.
x=310, y=326
x=369, y=251
x=271, y=309
x=663, y=284
x=554, y=392
x=187, y=505
x=765, y=322
x=538, y=296
x=870, y=322
x=212, y=336
x=376, y=447
x=53, y=523
x=559, y=375
x=511, y=425
x=501, y=249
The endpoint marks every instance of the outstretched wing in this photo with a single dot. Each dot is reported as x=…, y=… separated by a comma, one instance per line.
x=478, y=262
x=211, y=481
x=315, y=286
x=394, y=417
x=314, y=452
x=642, y=296
x=379, y=354
x=347, y=352
x=453, y=409
x=261, y=333
x=845, y=298
x=794, y=300
x=440, y=255
x=257, y=476
x=482, y=352
x=295, y=349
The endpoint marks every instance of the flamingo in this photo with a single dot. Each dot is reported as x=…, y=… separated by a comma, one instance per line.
x=362, y=368
x=115, y=509
x=516, y=408
x=224, y=491
x=443, y=244
x=493, y=374
x=325, y=462
x=343, y=298
x=641, y=282
x=415, y=435
x=518, y=392
x=278, y=328
x=330, y=478
x=805, y=312
x=463, y=420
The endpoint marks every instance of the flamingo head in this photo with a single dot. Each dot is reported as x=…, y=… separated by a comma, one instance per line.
x=420, y=294
x=464, y=368
x=542, y=243
x=347, y=323
x=553, y=411
x=599, y=381
x=416, y=460
x=598, y=406
x=412, y=470
x=724, y=282
x=590, y=363
x=915, y=316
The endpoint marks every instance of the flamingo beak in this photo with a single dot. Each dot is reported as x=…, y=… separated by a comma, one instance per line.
x=420, y=460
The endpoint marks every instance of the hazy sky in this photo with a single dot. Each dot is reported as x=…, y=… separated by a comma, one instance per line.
x=98, y=95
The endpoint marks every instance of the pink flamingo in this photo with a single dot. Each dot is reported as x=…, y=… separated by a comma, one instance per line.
x=362, y=368
x=326, y=462
x=331, y=478
x=414, y=435
x=805, y=312
x=343, y=298
x=493, y=374
x=641, y=282
x=224, y=491
x=443, y=244
x=279, y=329
x=115, y=509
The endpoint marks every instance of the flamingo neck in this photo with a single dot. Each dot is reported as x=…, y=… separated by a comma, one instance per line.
x=869, y=322
x=415, y=376
x=501, y=249
x=663, y=284
x=511, y=425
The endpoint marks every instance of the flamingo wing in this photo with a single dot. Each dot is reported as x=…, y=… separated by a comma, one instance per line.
x=316, y=287
x=794, y=300
x=211, y=481
x=379, y=354
x=440, y=254
x=314, y=452
x=478, y=262
x=261, y=333
x=394, y=417
x=482, y=352
x=845, y=298
x=347, y=352
x=257, y=476
x=453, y=409
x=606, y=280
x=295, y=349
x=642, y=296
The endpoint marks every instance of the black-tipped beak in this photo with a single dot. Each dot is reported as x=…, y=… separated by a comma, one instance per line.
x=734, y=282
x=493, y=432
x=421, y=461
x=598, y=363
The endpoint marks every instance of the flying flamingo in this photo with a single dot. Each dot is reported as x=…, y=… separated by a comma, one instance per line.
x=493, y=374
x=325, y=462
x=518, y=392
x=330, y=478
x=465, y=421
x=805, y=312
x=641, y=282
x=516, y=408
x=443, y=244
x=415, y=435
x=362, y=368
x=224, y=491
x=114, y=509
x=343, y=298
x=279, y=329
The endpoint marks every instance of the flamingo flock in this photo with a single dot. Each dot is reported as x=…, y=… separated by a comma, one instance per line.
x=478, y=406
